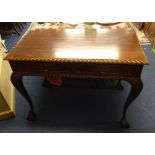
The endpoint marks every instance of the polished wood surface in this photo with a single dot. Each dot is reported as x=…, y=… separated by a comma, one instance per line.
x=103, y=46
x=113, y=54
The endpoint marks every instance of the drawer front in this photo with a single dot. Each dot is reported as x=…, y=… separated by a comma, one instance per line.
x=75, y=68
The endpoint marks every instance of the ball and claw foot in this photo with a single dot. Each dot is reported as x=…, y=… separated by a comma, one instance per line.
x=31, y=116
x=119, y=86
x=124, y=123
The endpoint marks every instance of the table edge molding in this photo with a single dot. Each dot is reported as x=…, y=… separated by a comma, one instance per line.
x=71, y=60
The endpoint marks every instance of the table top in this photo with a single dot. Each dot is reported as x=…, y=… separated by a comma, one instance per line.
x=79, y=45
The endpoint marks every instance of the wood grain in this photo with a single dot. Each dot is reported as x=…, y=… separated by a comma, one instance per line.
x=73, y=45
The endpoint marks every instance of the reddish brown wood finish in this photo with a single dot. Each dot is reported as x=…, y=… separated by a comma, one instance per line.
x=114, y=54
x=70, y=45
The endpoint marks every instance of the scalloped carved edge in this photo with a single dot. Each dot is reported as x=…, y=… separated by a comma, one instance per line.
x=9, y=58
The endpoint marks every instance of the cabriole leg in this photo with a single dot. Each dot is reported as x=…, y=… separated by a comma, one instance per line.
x=136, y=87
x=17, y=80
x=119, y=85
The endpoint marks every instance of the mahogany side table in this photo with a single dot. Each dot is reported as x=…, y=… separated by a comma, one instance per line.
x=113, y=54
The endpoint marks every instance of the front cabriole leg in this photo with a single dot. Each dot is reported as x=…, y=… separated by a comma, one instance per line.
x=17, y=81
x=136, y=87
